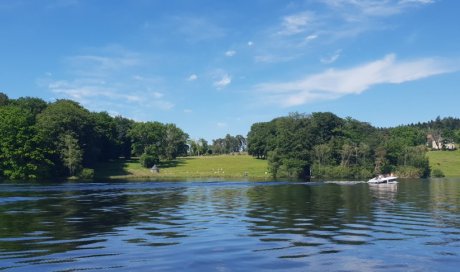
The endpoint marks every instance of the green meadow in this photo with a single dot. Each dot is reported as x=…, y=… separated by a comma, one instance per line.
x=447, y=161
x=222, y=166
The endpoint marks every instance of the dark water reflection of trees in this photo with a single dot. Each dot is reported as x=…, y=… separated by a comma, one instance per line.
x=46, y=222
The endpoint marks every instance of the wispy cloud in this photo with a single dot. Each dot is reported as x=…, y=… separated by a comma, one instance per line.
x=192, y=77
x=329, y=24
x=332, y=84
x=223, y=81
x=296, y=23
x=109, y=79
x=331, y=58
x=100, y=65
x=230, y=53
x=91, y=92
x=353, y=9
x=311, y=37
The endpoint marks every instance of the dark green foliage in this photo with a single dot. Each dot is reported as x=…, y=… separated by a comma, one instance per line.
x=86, y=173
x=437, y=173
x=174, y=142
x=41, y=140
x=32, y=104
x=148, y=161
x=4, y=100
x=146, y=134
x=337, y=148
x=123, y=139
x=23, y=154
x=168, y=140
x=261, y=139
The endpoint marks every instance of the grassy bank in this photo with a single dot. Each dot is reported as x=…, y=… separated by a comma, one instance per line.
x=224, y=166
x=447, y=161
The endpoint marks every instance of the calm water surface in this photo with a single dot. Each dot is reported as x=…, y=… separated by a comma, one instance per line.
x=231, y=226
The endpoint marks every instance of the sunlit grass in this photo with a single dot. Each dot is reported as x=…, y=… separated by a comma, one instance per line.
x=223, y=166
x=447, y=161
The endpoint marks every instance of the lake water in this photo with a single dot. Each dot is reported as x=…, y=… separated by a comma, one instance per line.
x=231, y=226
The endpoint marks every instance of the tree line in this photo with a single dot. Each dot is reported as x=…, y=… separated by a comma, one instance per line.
x=60, y=139
x=227, y=145
x=329, y=146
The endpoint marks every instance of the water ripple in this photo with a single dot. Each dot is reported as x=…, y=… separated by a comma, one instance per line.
x=230, y=226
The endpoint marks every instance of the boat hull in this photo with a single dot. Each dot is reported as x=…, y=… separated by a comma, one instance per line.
x=383, y=180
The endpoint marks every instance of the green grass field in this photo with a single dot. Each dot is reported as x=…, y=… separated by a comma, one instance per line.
x=447, y=161
x=224, y=166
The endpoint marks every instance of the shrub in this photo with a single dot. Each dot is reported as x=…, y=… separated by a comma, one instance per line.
x=86, y=173
x=437, y=173
x=409, y=172
x=148, y=161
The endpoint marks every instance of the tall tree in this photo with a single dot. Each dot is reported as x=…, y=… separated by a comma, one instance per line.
x=70, y=153
x=23, y=154
x=64, y=117
x=174, y=142
x=3, y=99
x=145, y=134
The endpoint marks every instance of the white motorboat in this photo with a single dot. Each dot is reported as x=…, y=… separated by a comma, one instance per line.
x=383, y=179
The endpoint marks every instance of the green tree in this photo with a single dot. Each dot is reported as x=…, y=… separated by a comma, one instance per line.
x=105, y=144
x=322, y=154
x=68, y=117
x=123, y=138
x=70, y=153
x=23, y=154
x=146, y=134
x=174, y=142
x=32, y=104
x=4, y=100
x=261, y=139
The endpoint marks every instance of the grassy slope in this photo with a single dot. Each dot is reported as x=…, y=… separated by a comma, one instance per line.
x=225, y=166
x=447, y=161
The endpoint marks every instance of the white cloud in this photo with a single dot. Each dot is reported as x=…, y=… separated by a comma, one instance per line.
x=250, y=43
x=192, y=77
x=331, y=58
x=96, y=94
x=224, y=80
x=270, y=58
x=157, y=94
x=356, y=9
x=332, y=84
x=81, y=90
x=296, y=23
x=416, y=2
x=230, y=53
x=311, y=37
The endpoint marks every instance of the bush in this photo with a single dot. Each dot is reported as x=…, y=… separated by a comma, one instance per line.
x=148, y=161
x=409, y=172
x=437, y=173
x=86, y=173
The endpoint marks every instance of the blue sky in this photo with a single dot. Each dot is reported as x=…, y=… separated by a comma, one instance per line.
x=216, y=67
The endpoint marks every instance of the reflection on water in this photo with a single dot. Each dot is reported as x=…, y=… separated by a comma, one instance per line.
x=237, y=226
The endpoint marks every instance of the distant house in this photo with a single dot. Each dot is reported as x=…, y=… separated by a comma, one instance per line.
x=450, y=146
x=438, y=143
x=433, y=142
